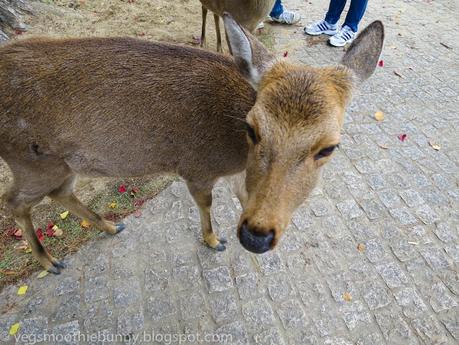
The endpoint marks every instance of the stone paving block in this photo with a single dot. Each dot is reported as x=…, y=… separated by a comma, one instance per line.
x=280, y=288
x=33, y=330
x=291, y=314
x=349, y=209
x=186, y=277
x=126, y=293
x=211, y=258
x=130, y=322
x=67, y=285
x=233, y=334
x=67, y=333
x=342, y=284
x=98, y=316
x=6, y=321
x=371, y=339
x=375, y=294
x=372, y=208
x=223, y=307
x=403, y=250
x=389, y=198
x=427, y=215
x=337, y=341
x=160, y=307
x=158, y=278
x=411, y=197
x=403, y=216
x=441, y=298
x=375, y=251
x=67, y=308
x=248, y=286
x=270, y=263
x=258, y=315
x=192, y=305
x=435, y=257
x=97, y=288
x=218, y=279
x=450, y=320
x=429, y=330
x=355, y=315
x=392, y=274
x=446, y=232
x=394, y=329
x=269, y=337
x=410, y=302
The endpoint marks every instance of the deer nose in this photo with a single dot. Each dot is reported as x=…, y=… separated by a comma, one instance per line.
x=255, y=242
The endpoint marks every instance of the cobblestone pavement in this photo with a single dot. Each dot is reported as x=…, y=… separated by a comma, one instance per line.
x=371, y=259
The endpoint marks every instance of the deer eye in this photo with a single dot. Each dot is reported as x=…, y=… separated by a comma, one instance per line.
x=325, y=152
x=251, y=133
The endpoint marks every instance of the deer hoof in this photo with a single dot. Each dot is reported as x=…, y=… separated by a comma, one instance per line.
x=120, y=227
x=59, y=264
x=223, y=240
x=54, y=270
x=220, y=247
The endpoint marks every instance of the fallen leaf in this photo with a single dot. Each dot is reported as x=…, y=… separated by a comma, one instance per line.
x=21, y=246
x=383, y=146
x=22, y=290
x=402, y=137
x=135, y=190
x=285, y=54
x=122, y=188
x=137, y=213
x=40, y=235
x=14, y=328
x=113, y=204
x=347, y=296
x=85, y=224
x=141, y=34
x=57, y=231
x=379, y=116
x=380, y=63
x=42, y=274
x=434, y=145
x=50, y=230
x=28, y=250
x=64, y=215
x=138, y=202
x=398, y=74
x=361, y=247
x=8, y=272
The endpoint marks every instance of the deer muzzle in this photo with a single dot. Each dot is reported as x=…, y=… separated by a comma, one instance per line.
x=253, y=241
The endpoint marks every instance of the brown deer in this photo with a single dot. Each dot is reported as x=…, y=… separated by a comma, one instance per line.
x=128, y=107
x=248, y=13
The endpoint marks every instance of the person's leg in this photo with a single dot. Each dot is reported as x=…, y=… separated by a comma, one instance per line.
x=335, y=9
x=281, y=15
x=277, y=10
x=355, y=14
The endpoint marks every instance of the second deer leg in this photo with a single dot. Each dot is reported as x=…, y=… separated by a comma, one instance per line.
x=203, y=197
x=65, y=196
x=203, y=29
x=219, y=35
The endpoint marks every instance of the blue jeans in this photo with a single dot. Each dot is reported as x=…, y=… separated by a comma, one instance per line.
x=277, y=10
x=354, y=15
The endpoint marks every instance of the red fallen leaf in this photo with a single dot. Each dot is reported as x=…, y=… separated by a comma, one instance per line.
x=402, y=137
x=285, y=54
x=122, y=188
x=49, y=230
x=138, y=202
x=141, y=34
x=137, y=213
x=381, y=63
x=40, y=235
x=135, y=190
x=15, y=232
x=18, y=32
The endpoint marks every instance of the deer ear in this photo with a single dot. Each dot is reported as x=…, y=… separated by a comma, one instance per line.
x=251, y=57
x=363, y=54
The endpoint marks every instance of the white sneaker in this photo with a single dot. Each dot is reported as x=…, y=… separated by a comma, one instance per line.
x=343, y=37
x=287, y=17
x=321, y=27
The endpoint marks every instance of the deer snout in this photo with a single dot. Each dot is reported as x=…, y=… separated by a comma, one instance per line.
x=255, y=240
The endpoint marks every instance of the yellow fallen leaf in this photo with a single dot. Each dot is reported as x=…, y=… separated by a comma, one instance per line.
x=379, y=116
x=85, y=224
x=23, y=245
x=42, y=274
x=347, y=297
x=64, y=215
x=434, y=145
x=112, y=204
x=22, y=290
x=361, y=247
x=28, y=250
x=14, y=328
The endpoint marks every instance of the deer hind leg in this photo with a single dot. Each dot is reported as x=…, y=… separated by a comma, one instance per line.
x=218, y=32
x=202, y=194
x=65, y=196
x=203, y=28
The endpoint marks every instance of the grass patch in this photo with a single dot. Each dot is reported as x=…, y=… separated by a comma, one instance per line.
x=16, y=264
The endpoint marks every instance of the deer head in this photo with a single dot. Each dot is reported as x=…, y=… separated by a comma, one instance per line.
x=293, y=128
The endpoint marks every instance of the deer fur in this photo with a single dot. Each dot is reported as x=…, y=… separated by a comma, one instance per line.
x=248, y=13
x=128, y=107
